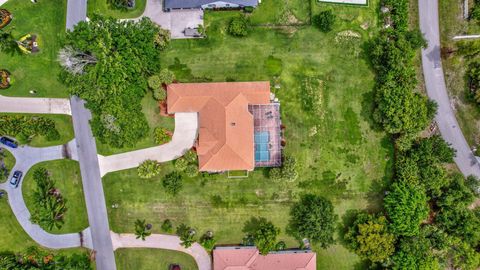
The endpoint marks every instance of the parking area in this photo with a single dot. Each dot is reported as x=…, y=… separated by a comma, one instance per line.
x=175, y=21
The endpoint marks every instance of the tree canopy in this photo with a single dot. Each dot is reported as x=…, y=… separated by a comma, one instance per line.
x=314, y=218
x=126, y=54
x=263, y=233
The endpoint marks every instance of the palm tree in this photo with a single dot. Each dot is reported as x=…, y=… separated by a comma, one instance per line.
x=7, y=42
x=141, y=229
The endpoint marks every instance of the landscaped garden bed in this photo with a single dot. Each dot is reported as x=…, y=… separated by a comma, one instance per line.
x=5, y=17
x=4, y=79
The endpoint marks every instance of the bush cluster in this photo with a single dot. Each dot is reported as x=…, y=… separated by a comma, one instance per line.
x=35, y=258
x=49, y=205
x=25, y=128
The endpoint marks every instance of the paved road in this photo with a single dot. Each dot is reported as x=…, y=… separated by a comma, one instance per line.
x=92, y=186
x=437, y=90
x=35, y=105
x=162, y=241
x=175, y=21
x=26, y=157
x=76, y=12
x=186, y=127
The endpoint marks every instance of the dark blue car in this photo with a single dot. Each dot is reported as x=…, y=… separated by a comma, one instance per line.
x=8, y=142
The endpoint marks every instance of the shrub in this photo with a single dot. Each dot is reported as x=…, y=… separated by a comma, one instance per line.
x=238, y=26
x=288, y=171
x=324, y=20
x=161, y=135
x=167, y=226
x=191, y=157
x=166, y=76
x=159, y=94
x=280, y=246
x=154, y=82
x=172, y=183
x=208, y=241
x=186, y=234
x=191, y=170
x=248, y=9
x=181, y=164
x=148, y=169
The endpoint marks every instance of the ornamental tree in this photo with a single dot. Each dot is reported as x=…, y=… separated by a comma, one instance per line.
x=313, y=218
x=263, y=233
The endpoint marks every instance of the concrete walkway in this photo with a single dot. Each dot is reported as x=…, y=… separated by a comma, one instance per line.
x=2, y=2
x=437, y=89
x=26, y=157
x=175, y=21
x=466, y=37
x=186, y=128
x=161, y=241
x=34, y=105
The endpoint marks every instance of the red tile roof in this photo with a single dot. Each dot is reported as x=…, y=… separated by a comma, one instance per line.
x=251, y=259
x=226, y=139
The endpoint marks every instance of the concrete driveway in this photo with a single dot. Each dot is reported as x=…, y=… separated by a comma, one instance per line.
x=26, y=157
x=437, y=89
x=186, y=128
x=35, y=105
x=161, y=241
x=174, y=21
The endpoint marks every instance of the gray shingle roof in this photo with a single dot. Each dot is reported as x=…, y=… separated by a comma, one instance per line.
x=171, y=4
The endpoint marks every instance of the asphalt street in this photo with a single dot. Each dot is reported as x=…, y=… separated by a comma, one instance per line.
x=92, y=186
x=76, y=12
x=437, y=90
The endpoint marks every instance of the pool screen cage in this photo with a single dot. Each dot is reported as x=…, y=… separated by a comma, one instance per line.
x=267, y=134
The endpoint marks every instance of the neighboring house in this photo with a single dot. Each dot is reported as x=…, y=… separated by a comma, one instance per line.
x=248, y=258
x=239, y=126
x=207, y=4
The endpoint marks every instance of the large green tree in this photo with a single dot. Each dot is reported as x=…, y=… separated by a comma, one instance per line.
x=263, y=233
x=314, y=218
x=369, y=238
x=406, y=207
x=126, y=54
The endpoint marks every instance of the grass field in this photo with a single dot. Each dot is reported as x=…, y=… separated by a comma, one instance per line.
x=66, y=174
x=149, y=259
x=104, y=8
x=341, y=156
x=9, y=160
x=38, y=71
x=64, y=125
x=467, y=112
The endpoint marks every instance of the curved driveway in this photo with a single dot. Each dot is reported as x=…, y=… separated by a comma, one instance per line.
x=437, y=90
x=186, y=126
x=162, y=241
x=26, y=157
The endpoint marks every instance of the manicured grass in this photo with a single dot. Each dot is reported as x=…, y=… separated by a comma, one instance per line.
x=467, y=111
x=64, y=125
x=148, y=259
x=351, y=16
x=66, y=174
x=340, y=155
x=38, y=71
x=151, y=110
x=281, y=12
x=104, y=8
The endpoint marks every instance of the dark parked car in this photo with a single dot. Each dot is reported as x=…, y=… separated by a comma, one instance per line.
x=17, y=176
x=8, y=142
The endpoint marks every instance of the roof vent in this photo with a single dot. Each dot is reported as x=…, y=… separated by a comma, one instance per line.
x=232, y=124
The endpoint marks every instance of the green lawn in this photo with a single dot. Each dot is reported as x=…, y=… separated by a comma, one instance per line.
x=281, y=12
x=66, y=173
x=104, y=8
x=14, y=237
x=39, y=71
x=468, y=112
x=341, y=156
x=148, y=259
x=9, y=160
x=151, y=110
x=64, y=125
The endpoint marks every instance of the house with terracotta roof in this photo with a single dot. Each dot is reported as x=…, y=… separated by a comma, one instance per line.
x=239, y=123
x=249, y=258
